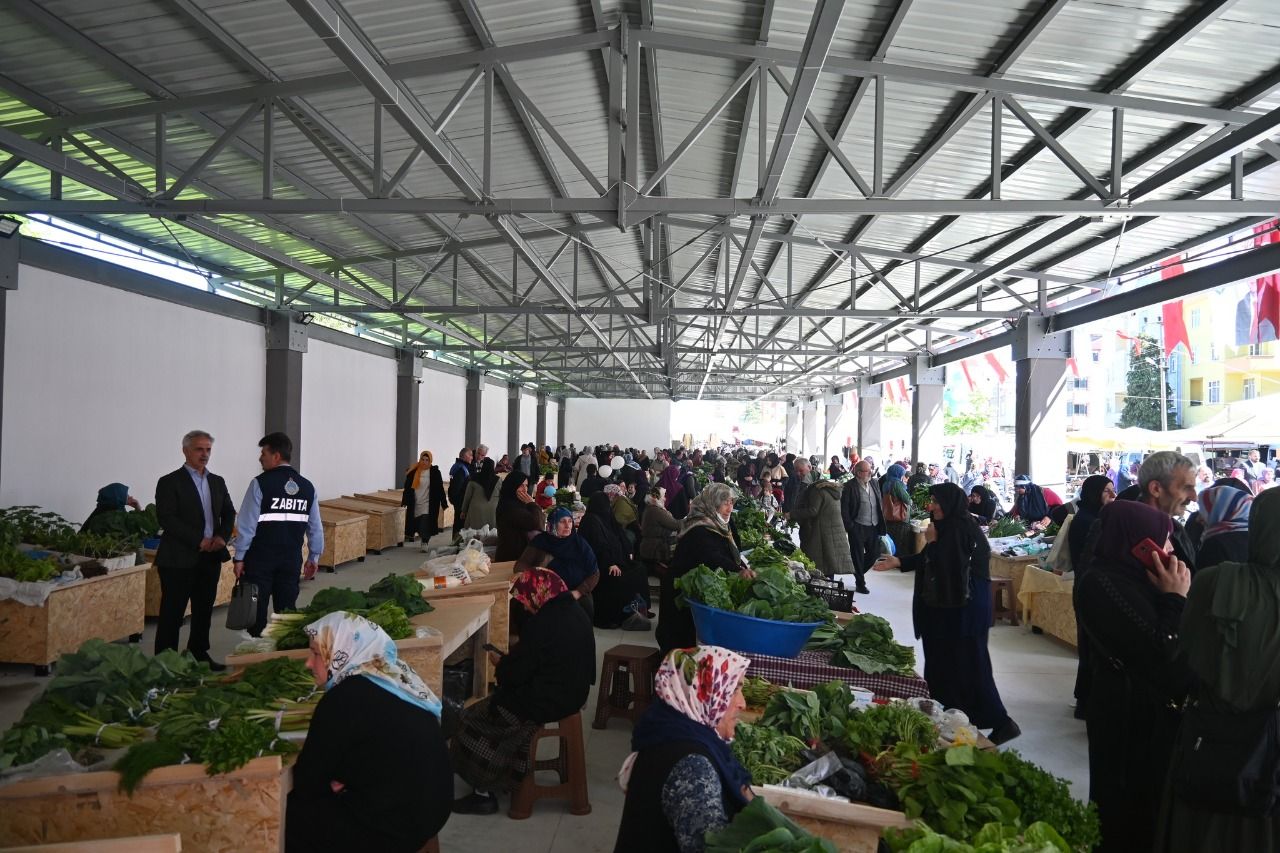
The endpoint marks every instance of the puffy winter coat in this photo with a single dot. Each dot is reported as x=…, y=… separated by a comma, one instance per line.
x=822, y=533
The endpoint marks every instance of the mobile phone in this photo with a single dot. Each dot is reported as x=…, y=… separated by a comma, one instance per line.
x=1143, y=552
x=490, y=647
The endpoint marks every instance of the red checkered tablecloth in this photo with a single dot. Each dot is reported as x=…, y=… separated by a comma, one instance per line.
x=811, y=668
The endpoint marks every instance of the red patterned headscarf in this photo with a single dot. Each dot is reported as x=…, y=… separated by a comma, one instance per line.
x=535, y=587
x=700, y=682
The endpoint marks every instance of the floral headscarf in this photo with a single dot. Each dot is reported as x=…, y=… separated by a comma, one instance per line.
x=352, y=645
x=699, y=682
x=1226, y=510
x=613, y=490
x=535, y=587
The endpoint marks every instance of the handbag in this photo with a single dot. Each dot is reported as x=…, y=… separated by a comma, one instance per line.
x=1229, y=761
x=242, y=612
x=894, y=511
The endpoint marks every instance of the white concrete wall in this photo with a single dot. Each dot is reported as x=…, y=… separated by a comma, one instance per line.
x=442, y=414
x=528, y=418
x=627, y=423
x=553, y=425
x=348, y=420
x=493, y=418
x=101, y=384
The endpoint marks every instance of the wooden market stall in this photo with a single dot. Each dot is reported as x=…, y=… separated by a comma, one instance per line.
x=851, y=827
x=168, y=843
x=385, y=523
x=1012, y=568
x=227, y=813
x=494, y=585
x=107, y=607
x=346, y=536
x=226, y=583
x=1046, y=600
x=395, y=496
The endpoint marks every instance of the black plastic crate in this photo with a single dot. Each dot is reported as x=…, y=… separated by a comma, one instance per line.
x=833, y=593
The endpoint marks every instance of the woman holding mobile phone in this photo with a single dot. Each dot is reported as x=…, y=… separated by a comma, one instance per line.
x=1130, y=606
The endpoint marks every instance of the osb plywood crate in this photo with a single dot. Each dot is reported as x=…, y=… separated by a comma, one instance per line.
x=108, y=607
x=226, y=583
x=1012, y=568
x=385, y=526
x=496, y=584
x=168, y=843
x=231, y=812
x=851, y=827
x=383, y=496
x=346, y=536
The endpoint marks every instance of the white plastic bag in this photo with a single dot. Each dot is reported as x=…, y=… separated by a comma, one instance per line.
x=473, y=559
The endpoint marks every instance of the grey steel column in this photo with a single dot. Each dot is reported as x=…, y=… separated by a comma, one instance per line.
x=9, y=248
x=835, y=408
x=792, y=437
x=926, y=411
x=408, y=380
x=561, y=421
x=475, y=395
x=809, y=426
x=286, y=344
x=870, y=421
x=1040, y=413
x=542, y=420
x=514, y=438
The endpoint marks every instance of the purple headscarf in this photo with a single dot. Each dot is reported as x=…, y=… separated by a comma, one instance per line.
x=670, y=481
x=1124, y=525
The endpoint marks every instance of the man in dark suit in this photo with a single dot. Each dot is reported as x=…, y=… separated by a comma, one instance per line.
x=196, y=516
x=863, y=520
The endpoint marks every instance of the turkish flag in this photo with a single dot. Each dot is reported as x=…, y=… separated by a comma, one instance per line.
x=902, y=389
x=964, y=368
x=1175, y=326
x=893, y=395
x=1001, y=373
x=1075, y=369
x=1137, y=342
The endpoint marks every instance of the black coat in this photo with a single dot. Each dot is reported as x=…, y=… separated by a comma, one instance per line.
x=1223, y=548
x=1137, y=682
x=700, y=545
x=547, y=675
x=612, y=594
x=409, y=500
x=392, y=759
x=182, y=518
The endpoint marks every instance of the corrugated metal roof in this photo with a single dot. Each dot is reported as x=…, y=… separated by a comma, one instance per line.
x=67, y=57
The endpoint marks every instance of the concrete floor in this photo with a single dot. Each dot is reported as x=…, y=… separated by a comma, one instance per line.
x=1035, y=675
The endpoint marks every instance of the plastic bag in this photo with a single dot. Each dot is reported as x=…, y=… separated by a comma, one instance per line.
x=473, y=559
x=887, y=546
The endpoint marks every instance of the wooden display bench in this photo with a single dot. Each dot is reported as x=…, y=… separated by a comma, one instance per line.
x=383, y=496
x=108, y=607
x=385, y=523
x=226, y=583
x=1046, y=599
x=168, y=843
x=346, y=536
x=1012, y=568
x=496, y=585
x=851, y=827
x=227, y=813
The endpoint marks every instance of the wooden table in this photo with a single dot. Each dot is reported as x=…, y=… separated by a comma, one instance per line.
x=226, y=583
x=108, y=607
x=1046, y=600
x=495, y=585
x=459, y=620
x=227, y=813
x=851, y=827
x=168, y=843
x=385, y=524
x=346, y=535
x=1012, y=568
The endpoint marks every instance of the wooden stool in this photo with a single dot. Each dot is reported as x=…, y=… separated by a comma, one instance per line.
x=570, y=765
x=626, y=683
x=1002, y=591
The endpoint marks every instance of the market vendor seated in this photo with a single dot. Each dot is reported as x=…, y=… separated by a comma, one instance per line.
x=545, y=677
x=682, y=779
x=108, y=516
x=374, y=770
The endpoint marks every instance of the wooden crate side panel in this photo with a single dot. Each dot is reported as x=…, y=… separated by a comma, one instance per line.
x=232, y=812
x=226, y=582
x=344, y=541
x=428, y=663
x=846, y=838
x=24, y=633
x=111, y=608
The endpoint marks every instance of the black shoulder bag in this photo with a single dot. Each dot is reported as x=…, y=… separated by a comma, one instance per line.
x=1229, y=761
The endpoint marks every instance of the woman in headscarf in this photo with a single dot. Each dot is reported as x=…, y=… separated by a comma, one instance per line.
x=657, y=533
x=545, y=677
x=1032, y=503
x=823, y=537
x=423, y=499
x=681, y=778
x=951, y=609
x=983, y=505
x=622, y=595
x=374, y=770
x=895, y=504
x=1230, y=639
x=686, y=489
x=706, y=538
x=564, y=551
x=504, y=464
x=1225, y=538
x=517, y=517
x=919, y=478
x=1095, y=493
x=480, y=500
x=1131, y=610
x=565, y=475
x=624, y=511
x=836, y=470
x=1195, y=522
x=108, y=515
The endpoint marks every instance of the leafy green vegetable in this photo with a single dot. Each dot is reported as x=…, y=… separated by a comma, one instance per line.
x=24, y=568
x=389, y=603
x=795, y=712
x=866, y=642
x=760, y=827
x=1052, y=529
x=1044, y=797
x=870, y=731
x=768, y=754
x=705, y=586
x=772, y=594
x=757, y=691
x=1007, y=526
x=1040, y=837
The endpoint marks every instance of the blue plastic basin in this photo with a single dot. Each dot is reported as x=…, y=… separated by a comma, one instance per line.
x=750, y=634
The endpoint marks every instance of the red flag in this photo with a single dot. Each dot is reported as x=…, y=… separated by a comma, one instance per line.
x=1001, y=374
x=964, y=368
x=1137, y=342
x=1075, y=369
x=902, y=389
x=1175, y=326
x=1266, y=289
x=893, y=395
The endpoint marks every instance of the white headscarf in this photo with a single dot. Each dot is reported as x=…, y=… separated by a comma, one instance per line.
x=352, y=645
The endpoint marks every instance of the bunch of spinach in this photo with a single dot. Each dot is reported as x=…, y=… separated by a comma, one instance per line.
x=761, y=828
x=768, y=754
x=389, y=603
x=866, y=642
x=870, y=731
x=772, y=594
x=810, y=715
x=1039, y=837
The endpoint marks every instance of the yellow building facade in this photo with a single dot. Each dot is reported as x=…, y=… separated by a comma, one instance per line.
x=1220, y=372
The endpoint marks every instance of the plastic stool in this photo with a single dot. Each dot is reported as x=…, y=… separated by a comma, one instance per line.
x=626, y=683
x=570, y=764
x=1001, y=592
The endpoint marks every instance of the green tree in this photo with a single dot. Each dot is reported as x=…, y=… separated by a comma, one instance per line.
x=973, y=418
x=1142, y=388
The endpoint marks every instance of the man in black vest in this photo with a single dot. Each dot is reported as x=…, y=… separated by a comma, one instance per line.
x=196, y=515
x=278, y=508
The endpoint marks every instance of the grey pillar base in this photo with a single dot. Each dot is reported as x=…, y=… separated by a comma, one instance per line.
x=1040, y=410
x=871, y=422
x=542, y=421
x=926, y=424
x=475, y=395
x=514, y=438
x=809, y=428
x=831, y=443
x=286, y=344
x=792, y=438
x=408, y=378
